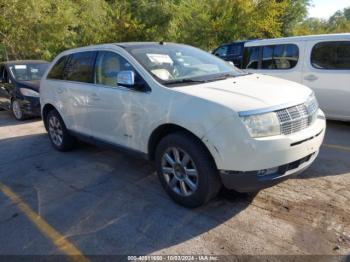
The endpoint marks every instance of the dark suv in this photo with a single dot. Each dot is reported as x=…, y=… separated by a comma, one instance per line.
x=232, y=52
x=19, y=87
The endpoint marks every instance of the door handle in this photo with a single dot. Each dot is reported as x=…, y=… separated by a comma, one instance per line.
x=310, y=77
x=60, y=90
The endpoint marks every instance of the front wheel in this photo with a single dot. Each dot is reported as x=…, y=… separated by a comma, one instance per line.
x=186, y=170
x=17, y=110
x=58, y=133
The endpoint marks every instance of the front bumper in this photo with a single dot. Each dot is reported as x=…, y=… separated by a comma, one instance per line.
x=253, y=181
x=242, y=160
x=30, y=106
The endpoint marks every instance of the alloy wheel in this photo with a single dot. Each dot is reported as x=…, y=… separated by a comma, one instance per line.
x=16, y=109
x=179, y=171
x=55, y=130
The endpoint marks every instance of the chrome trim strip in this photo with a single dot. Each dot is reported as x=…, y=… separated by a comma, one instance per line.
x=268, y=109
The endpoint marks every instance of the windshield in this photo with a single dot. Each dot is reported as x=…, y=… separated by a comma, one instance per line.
x=179, y=64
x=27, y=72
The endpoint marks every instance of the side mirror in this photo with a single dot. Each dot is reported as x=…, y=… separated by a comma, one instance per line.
x=231, y=63
x=126, y=78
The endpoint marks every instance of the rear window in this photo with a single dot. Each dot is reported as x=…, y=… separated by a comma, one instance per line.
x=56, y=71
x=331, y=55
x=280, y=56
x=80, y=67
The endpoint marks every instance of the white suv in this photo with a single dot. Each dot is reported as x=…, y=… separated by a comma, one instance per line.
x=203, y=122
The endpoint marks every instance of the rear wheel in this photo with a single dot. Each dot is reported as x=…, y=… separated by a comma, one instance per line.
x=186, y=170
x=17, y=111
x=58, y=133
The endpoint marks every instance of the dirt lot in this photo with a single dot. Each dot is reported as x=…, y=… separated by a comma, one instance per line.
x=98, y=201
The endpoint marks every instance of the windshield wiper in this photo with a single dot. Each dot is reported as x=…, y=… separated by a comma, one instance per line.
x=184, y=81
x=222, y=77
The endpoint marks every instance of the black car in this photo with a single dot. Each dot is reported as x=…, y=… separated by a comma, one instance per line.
x=232, y=52
x=19, y=87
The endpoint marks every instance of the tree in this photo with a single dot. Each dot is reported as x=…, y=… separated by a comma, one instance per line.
x=295, y=12
x=337, y=23
x=43, y=28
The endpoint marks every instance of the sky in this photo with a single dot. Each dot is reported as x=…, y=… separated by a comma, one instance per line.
x=326, y=8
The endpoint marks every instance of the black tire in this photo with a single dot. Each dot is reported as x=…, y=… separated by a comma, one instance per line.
x=16, y=110
x=207, y=181
x=67, y=141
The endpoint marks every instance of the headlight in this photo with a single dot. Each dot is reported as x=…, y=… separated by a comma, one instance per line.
x=262, y=125
x=311, y=104
x=28, y=92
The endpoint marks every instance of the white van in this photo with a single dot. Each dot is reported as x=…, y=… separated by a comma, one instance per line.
x=202, y=121
x=321, y=62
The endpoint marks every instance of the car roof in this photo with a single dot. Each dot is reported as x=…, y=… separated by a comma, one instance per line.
x=21, y=62
x=292, y=39
x=237, y=42
x=124, y=45
x=130, y=45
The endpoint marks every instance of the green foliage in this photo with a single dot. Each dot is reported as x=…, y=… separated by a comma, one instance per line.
x=295, y=12
x=40, y=29
x=337, y=23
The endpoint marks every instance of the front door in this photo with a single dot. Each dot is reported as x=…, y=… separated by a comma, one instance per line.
x=117, y=114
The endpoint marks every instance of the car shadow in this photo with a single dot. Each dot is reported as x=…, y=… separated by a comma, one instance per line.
x=93, y=195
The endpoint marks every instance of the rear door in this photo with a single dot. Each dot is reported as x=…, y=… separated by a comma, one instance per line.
x=327, y=72
x=77, y=91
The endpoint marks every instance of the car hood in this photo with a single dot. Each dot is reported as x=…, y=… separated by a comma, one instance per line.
x=249, y=92
x=33, y=84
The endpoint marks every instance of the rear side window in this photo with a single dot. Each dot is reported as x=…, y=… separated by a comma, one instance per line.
x=56, y=71
x=251, y=58
x=280, y=56
x=80, y=67
x=331, y=55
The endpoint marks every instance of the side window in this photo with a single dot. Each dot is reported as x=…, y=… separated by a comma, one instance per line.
x=108, y=65
x=221, y=51
x=286, y=56
x=4, y=75
x=235, y=50
x=2, y=72
x=56, y=71
x=80, y=67
x=280, y=56
x=267, y=58
x=331, y=55
x=251, y=58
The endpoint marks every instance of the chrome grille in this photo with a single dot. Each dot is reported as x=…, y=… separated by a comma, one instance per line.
x=296, y=118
